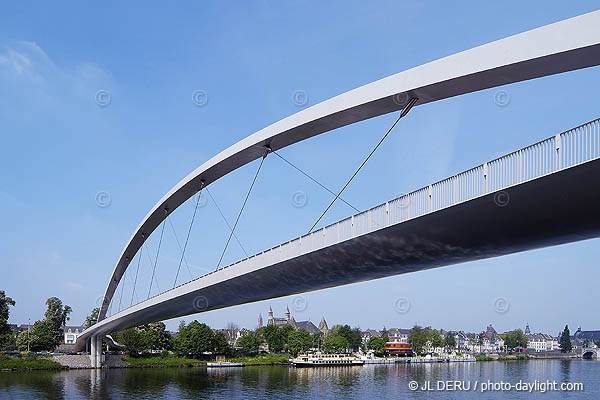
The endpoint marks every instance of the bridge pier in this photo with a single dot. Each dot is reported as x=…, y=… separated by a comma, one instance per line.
x=96, y=351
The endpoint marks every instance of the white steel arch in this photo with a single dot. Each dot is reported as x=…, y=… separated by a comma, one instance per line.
x=560, y=47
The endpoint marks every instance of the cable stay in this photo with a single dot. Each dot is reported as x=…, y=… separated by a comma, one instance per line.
x=314, y=180
x=405, y=111
x=148, y=250
x=187, y=238
x=123, y=280
x=136, y=274
x=156, y=259
x=267, y=151
x=226, y=222
x=179, y=245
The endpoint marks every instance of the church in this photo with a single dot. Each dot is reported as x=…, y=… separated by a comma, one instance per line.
x=323, y=329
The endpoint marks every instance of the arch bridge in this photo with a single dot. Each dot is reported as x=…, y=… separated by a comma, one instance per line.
x=535, y=197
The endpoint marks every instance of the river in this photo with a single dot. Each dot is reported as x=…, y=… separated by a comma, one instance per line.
x=262, y=382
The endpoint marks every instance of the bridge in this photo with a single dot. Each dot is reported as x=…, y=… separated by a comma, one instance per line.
x=535, y=197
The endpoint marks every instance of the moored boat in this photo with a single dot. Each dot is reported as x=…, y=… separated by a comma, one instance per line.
x=325, y=360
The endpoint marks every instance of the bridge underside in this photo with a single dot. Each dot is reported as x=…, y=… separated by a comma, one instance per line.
x=558, y=208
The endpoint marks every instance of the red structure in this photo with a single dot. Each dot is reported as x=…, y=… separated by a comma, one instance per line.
x=399, y=349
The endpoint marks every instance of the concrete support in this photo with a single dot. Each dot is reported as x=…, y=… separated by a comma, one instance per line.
x=96, y=351
x=93, y=351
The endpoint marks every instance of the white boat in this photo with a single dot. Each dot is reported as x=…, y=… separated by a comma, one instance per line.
x=325, y=360
x=223, y=364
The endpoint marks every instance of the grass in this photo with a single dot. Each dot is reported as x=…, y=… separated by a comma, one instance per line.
x=263, y=359
x=172, y=360
x=24, y=362
x=510, y=357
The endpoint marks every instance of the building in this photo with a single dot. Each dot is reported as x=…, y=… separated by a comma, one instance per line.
x=288, y=319
x=71, y=333
x=398, y=335
x=368, y=334
x=540, y=341
x=592, y=336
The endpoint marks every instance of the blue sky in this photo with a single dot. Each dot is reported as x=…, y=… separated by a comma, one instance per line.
x=60, y=148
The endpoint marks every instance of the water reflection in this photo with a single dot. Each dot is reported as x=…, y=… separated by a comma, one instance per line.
x=383, y=381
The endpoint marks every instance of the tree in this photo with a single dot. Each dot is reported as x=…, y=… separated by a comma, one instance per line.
x=39, y=338
x=195, y=338
x=56, y=317
x=335, y=344
x=316, y=340
x=92, y=318
x=221, y=343
x=565, y=340
x=132, y=340
x=417, y=337
x=435, y=337
x=5, y=303
x=353, y=336
x=299, y=341
x=515, y=338
x=7, y=337
x=249, y=342
x=377, y=344
x=285, y=332
x=449, y=341
x=384, y=335
x=273, y=335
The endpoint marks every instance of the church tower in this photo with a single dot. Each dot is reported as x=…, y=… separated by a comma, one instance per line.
x=287, y=313
x=270, y=320
x=260, y=322
x=323, y=326
x=527, y=331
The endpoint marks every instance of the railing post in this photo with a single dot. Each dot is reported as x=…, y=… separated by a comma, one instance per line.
x=430, y=191
x=557, y=141
x=485, y=178
x=387, y=213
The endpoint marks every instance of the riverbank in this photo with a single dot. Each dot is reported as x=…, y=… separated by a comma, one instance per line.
x=20, y=362
x=171, y=360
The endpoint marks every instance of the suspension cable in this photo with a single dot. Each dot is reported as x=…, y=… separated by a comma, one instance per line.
x=405, y=111
x=314, y=180
x=226, y=222
x=179, y=245
x=188, y=234
x=242, y=209
x=156, y=259
x=123, y=280
x=151, y=263
x=136, y=274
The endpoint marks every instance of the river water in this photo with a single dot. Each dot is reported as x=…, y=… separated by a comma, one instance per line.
x=262, y=382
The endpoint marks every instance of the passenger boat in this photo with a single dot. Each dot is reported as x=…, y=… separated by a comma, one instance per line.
x=224, y=364
x=325, y=360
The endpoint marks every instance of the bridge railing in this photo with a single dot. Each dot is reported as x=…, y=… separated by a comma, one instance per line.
x=565, y=150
